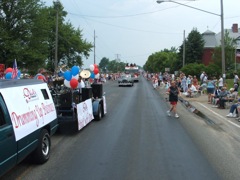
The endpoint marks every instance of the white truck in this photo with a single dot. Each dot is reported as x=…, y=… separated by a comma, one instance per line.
x=133, y=70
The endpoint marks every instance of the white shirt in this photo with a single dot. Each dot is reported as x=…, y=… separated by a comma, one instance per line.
x=220, y=82
x=201, y=76
x=193, y=88
x=205, y=79
x=235, y=79
x=82, y=84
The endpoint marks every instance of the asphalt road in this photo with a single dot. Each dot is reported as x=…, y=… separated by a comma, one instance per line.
x=136, y=140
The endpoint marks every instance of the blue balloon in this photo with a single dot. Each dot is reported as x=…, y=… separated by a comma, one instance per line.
x=75, y=70
x=92, y=75
x=8, y=75
x=68, y=75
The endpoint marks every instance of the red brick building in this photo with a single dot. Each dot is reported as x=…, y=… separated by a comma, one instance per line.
x=213, y=40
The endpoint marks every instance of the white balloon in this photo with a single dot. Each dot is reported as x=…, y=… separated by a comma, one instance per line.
x=67, y=83
x=97, y=76
x=91, y=67
x=76, y=77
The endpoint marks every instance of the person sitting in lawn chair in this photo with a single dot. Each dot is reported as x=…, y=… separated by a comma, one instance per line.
x=191, y=91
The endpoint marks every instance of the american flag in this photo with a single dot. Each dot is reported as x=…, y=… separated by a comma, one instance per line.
x=15, y=70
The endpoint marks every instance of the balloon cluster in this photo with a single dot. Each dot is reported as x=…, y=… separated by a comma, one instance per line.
x=8, y=73
x=71, y=77
x=94, y=71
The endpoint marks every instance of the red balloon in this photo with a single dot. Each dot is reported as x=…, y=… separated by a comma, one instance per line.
x=95, y=66
x=74, y=83
x=96, y=70
x=8, y=70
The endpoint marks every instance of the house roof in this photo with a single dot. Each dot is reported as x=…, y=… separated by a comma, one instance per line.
x=209, y=38
x=231, y=34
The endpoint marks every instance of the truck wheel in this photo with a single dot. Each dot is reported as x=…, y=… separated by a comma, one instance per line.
x=99, y=115
x=42, y=152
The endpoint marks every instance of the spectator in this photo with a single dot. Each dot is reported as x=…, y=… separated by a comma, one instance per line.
x=189, y=80
x=40, y=75
x=191, y=89
x=155, y=82
x=222, y=98
x=195, y=82
x=235, y=81
x=233, y=108
x=238, y=110
x=215, y=95
x=184, y=84
x=220, y=82
x=210, y=89
x=202, y=76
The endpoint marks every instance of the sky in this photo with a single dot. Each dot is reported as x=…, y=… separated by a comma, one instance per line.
x=131, y=30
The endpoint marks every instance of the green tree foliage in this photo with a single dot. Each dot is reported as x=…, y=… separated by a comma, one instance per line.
x=28, y=35
x=103, y=64
x=230, y=44
x=115, y=66
x=158, y=61
x=194, y=45
x=212, y=70
x=18, y=26
x=193, y=69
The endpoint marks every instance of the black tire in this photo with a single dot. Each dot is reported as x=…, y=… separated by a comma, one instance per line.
x=99, y=115
x=42, y=152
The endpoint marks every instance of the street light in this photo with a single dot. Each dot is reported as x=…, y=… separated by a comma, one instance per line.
x=222, y=28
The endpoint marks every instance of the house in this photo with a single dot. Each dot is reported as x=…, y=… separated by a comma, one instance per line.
x=213, y=40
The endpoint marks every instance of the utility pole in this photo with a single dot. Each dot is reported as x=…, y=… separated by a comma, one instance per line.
x=56, y=39
x=222, y=43
x=184, y=48
x=94, y=48
x=118, y=57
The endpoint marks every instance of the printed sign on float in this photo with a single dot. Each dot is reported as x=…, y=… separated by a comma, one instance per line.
x=84, y=113
x=30, y=110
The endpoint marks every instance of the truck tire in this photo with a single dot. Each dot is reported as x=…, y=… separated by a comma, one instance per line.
x=42, y=152
x=99, y=115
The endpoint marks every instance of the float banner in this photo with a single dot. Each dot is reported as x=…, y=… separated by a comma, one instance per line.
x=84, y=113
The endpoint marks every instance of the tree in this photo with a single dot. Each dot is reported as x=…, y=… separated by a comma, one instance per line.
x=230, y=44
x=18, y=23
x=71, y=45
x=194, y=45
x=104, y=64
x=158, y=61
x=114, y=66
x=28, y=35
